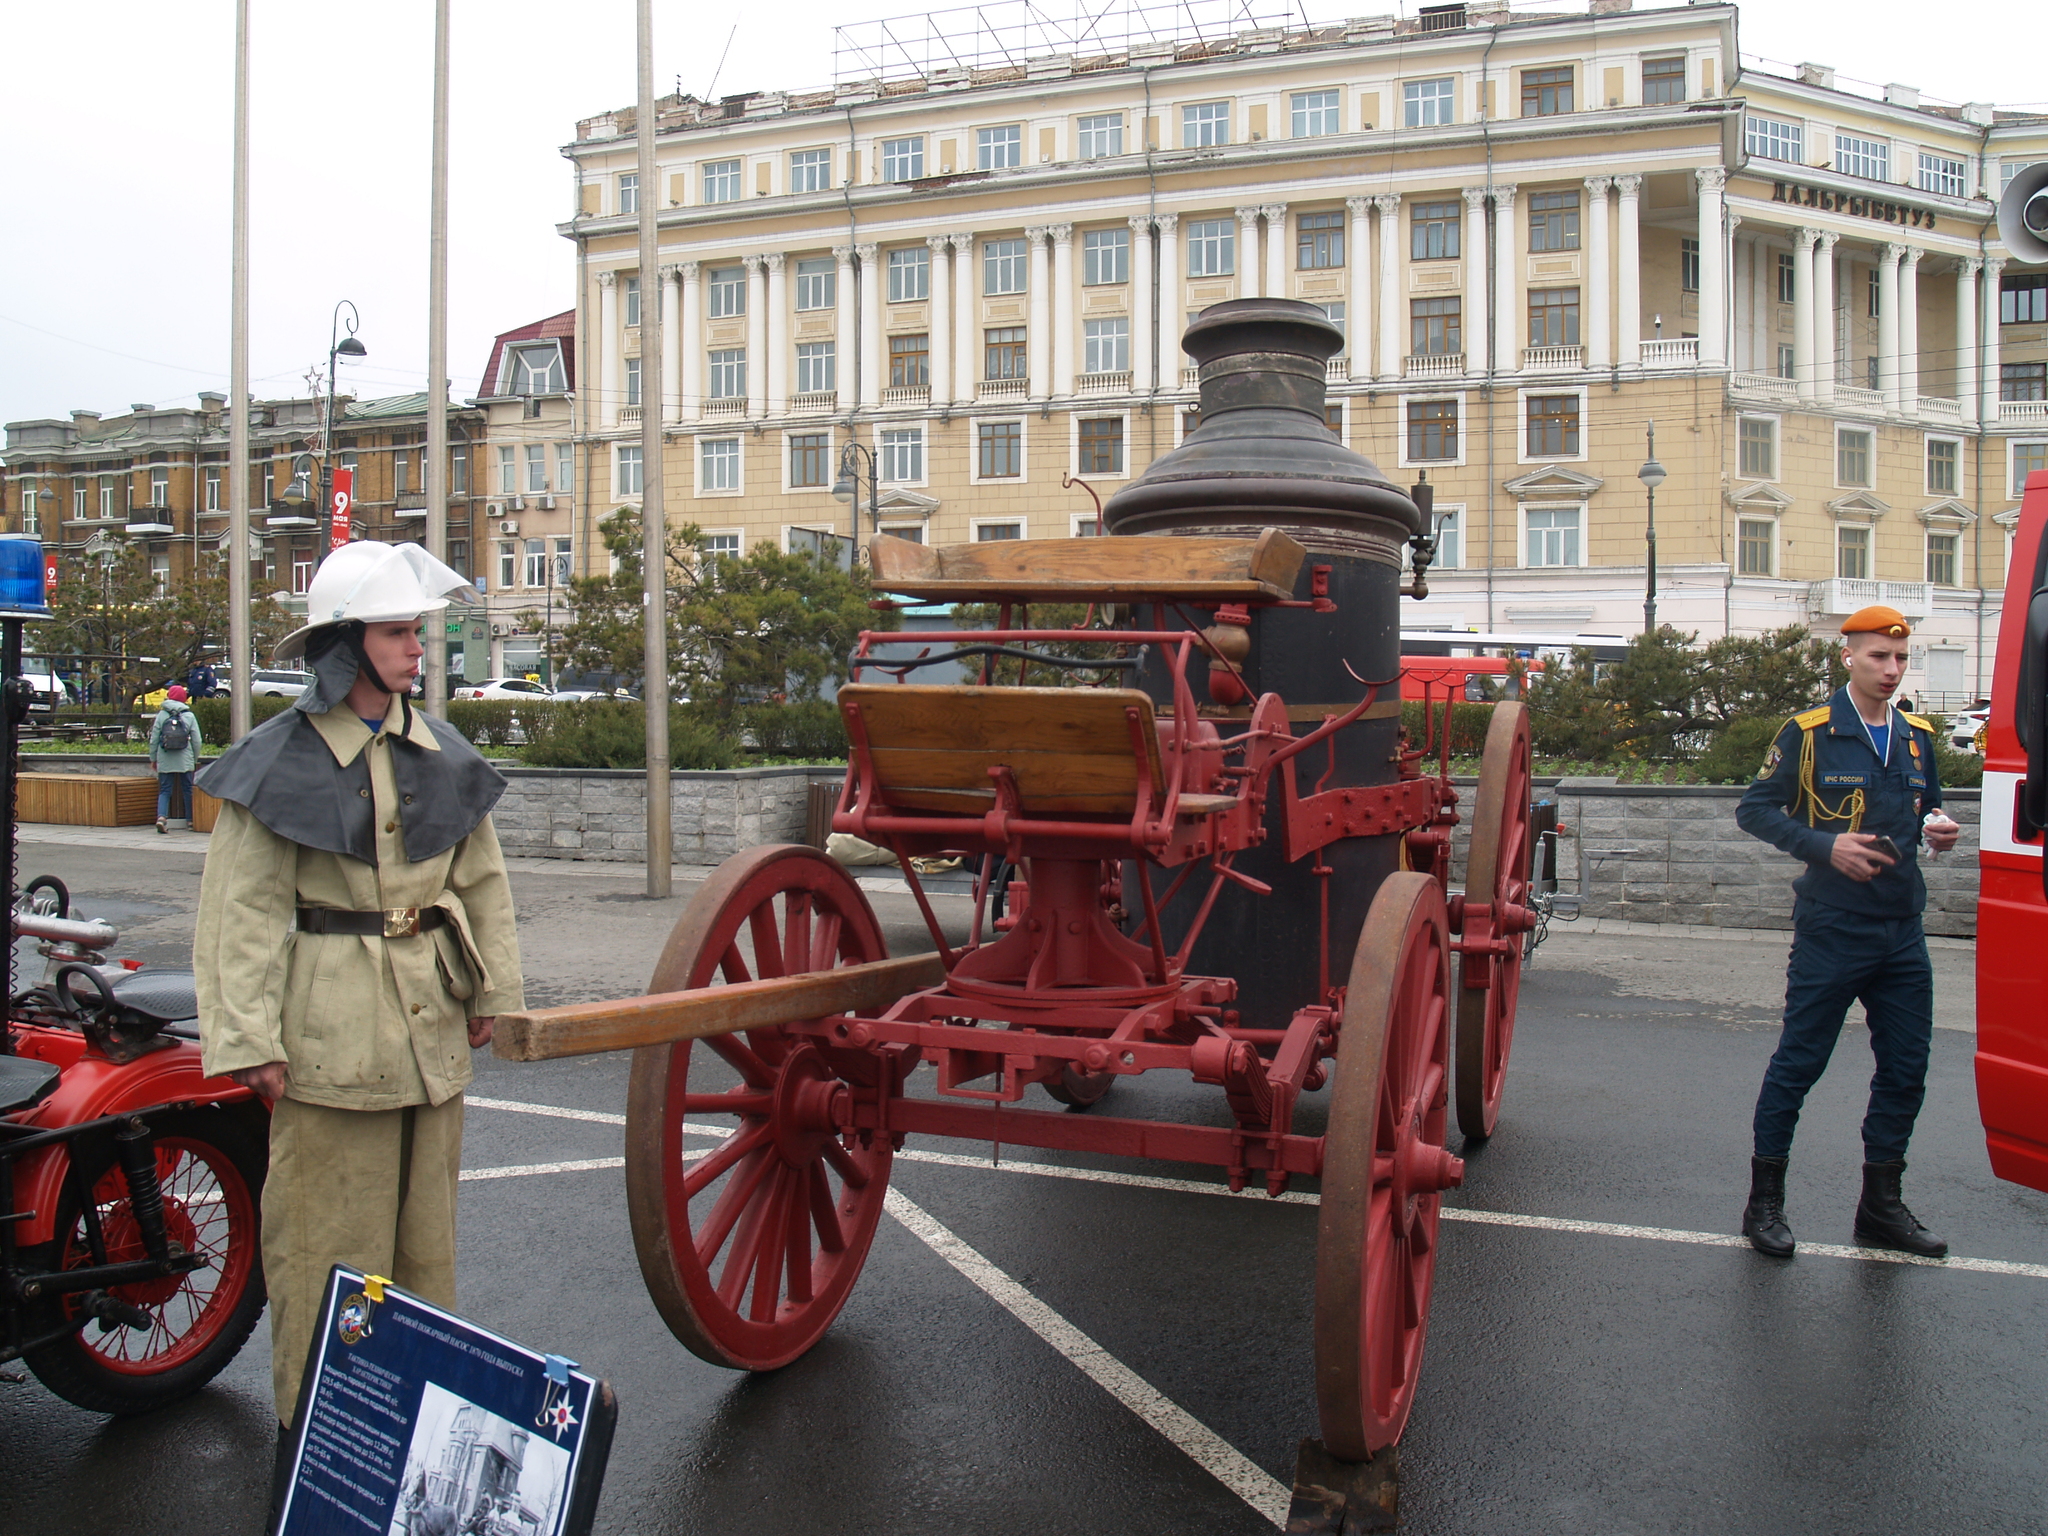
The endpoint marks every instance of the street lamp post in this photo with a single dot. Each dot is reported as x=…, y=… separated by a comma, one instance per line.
x=338, y=346
x=1652, y=476
x=847, y=487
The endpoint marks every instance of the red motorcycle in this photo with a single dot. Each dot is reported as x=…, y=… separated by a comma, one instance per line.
x=130, y=1181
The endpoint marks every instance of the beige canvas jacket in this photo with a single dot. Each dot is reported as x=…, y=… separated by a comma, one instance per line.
x=361, y=1022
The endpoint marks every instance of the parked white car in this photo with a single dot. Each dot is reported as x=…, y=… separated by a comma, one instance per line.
x=513, y=689
x=267, y=682
x=1966, y=729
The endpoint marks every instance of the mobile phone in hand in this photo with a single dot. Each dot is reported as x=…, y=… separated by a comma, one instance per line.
x=1880, y=844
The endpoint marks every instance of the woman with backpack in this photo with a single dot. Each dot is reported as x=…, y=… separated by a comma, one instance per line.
x=174, y=743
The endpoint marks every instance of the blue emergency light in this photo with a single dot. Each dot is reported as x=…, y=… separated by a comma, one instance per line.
x=21, y=578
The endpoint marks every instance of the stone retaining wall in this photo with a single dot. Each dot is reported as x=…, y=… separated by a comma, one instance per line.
x=574, y=813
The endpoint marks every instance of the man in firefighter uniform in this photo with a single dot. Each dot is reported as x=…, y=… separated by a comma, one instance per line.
x=1838, y=780
x=355, y=940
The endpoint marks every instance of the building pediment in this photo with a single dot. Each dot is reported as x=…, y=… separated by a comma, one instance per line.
x=1554, y=480
x=905, y=502
x=2009, y=519
x=1858, y=507
x=1946, y=513
x=1758, y=496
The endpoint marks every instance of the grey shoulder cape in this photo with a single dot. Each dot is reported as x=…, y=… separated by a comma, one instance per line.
x=283, y=774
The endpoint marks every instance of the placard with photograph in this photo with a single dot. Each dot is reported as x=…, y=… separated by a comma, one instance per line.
x=413, y=1421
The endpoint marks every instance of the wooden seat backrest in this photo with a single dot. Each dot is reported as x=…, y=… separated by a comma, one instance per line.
x=1069, y=749
x=1133, y=568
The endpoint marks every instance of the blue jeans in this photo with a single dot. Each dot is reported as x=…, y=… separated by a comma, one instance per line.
x=1838, y=958
x=164, y=783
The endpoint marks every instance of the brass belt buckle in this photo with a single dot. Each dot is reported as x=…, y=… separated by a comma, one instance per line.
x=401, y=922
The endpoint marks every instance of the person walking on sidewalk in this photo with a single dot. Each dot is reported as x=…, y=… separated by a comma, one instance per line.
x=1850, y=787
x=174, y=743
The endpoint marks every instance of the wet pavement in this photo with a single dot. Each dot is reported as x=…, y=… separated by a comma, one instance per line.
x=1597, y=1361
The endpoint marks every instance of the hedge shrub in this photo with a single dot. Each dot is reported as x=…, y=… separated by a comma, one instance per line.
x=609, y=733
x=812, y=730
x=213, y=716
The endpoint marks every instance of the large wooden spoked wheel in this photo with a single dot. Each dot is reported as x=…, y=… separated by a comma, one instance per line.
x=1384, y=1170
x=1496, y=872
x=750, y=1243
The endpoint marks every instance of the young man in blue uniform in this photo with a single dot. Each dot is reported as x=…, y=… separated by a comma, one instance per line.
x=1838, y=781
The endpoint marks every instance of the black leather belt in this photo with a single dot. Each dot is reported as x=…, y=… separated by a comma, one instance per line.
x=390, y=923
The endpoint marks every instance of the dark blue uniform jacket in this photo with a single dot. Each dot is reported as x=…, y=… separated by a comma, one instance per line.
x=1896, y=794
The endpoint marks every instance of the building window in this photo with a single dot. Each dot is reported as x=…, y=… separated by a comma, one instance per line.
x=562, y=560
x=1547, y=92
x=458, y=472
x=2023, y=381
x=159, y=485
x=1664, y=81
x=1689, y=265
x=1432, y=429
x=625, y=471
x=1554, y=221
x=212, y=489
x=726, y=290
x=508, y=471
x=1003, y=353
x=1434, y=327
x=1553, y=429
x=1787, y=354
x=1756, y=539
x=2027, y=459
x=910, y=274
x=999, y=149
x=1766, y=139
x=1940, y=174
x=1852, y=458
x=721, y=463
x=1852, y=554
x=1102, y=445
x=30, y=523
x=1868, y=158
x=458, y=556
x=1105, y=257
x=1788, y=282
x=1333, y=418
x=1428, y=103
x=810, y=170
x=536, y=562
x=721, y=181
x=1941, y=558
x=632, y=381
x=536, y=466
x=1335, y=314
x=1943, y=457
x=2023, y=299
x=79, y=497
x=817, y=283
x=1100, y=136
x=1000, y=446
x=728, y=373
x=1433, y=232
x=989, y=533
x=1005, y=266
x=1756, y=448
x=1553, y=317
x=1204, y=124
x=903, y=455
x=1873, y=294
x=817, y=367
x=1212, y=248
x=903, y=159
x=508, y=565
x=302, y=576
x=1318, y=113
x=538, y=370
x=629, y=192
x=565, y=466
x=807, y=454
x=1553, y=535
x=1319, y=241
x=629, y=287
x=910, y=361
x=1106, y=345
x=401, y=473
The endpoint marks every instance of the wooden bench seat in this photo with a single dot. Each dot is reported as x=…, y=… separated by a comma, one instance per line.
x=1150, y=568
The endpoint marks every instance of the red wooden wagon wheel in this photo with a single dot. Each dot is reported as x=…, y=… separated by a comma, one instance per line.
x=1496, y=872
x=1384, y=1170
x=750, y=1245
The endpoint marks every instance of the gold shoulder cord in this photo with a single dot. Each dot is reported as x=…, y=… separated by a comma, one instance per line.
x=1851, y=808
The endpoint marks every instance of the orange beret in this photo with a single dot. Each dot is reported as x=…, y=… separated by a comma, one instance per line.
x=1877, y=620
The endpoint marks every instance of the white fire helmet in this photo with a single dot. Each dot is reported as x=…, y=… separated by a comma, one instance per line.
x=373, y=583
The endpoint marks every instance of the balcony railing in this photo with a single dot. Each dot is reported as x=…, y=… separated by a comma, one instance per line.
x=1553, y=359
x=815, y=402
x=1434, y=365
x=1682, y=353
x=1338, y=369
x=629, y=415
x=728, y=405
x=1003, y=389
x=2023, y=410
x=1845, y=595
x=1856, y=398
x=907, y=394
x=1767, y=385
x=1938, y=405
x=1104, y=383
x=145, y=526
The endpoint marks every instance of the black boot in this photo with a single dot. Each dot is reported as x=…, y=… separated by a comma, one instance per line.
x=1882, y=1220
x=280, y=1477
x=1763, y=1219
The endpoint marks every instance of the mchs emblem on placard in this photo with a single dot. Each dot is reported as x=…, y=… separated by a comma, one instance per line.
x=354, y=1321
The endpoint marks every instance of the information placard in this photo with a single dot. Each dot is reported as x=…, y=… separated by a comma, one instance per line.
x=413, y=1421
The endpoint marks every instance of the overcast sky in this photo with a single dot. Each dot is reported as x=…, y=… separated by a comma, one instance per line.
x=115, y=163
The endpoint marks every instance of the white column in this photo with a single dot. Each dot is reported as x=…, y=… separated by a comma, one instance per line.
x=1276, y=250
x=778, y=335
x=1987, y=306
x=1507, y=329
x=1062, y=309
x=1144, y=354
x=845, y=332
x=1909, y=327
x=966, y=284
x=1763, y=299
x=1358, y=262
x=1733, y=289
x=1038, y=340
x=1824, y=315
x=1476, y=295
x=1966, y=337
x=941, y=339
x=1250, y=271
x=671, y=345
x=1888, y=380
x=757, y=334
x=1392, y=318
x=1172, y=300
x=1599, y=306
x=1628, y=267
x=613, y=351
x=690, y=339
x=870, y=325
x=1713, y=238
x=1805, y=367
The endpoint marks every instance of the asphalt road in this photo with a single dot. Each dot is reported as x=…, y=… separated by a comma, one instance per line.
x=1594, y=1363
